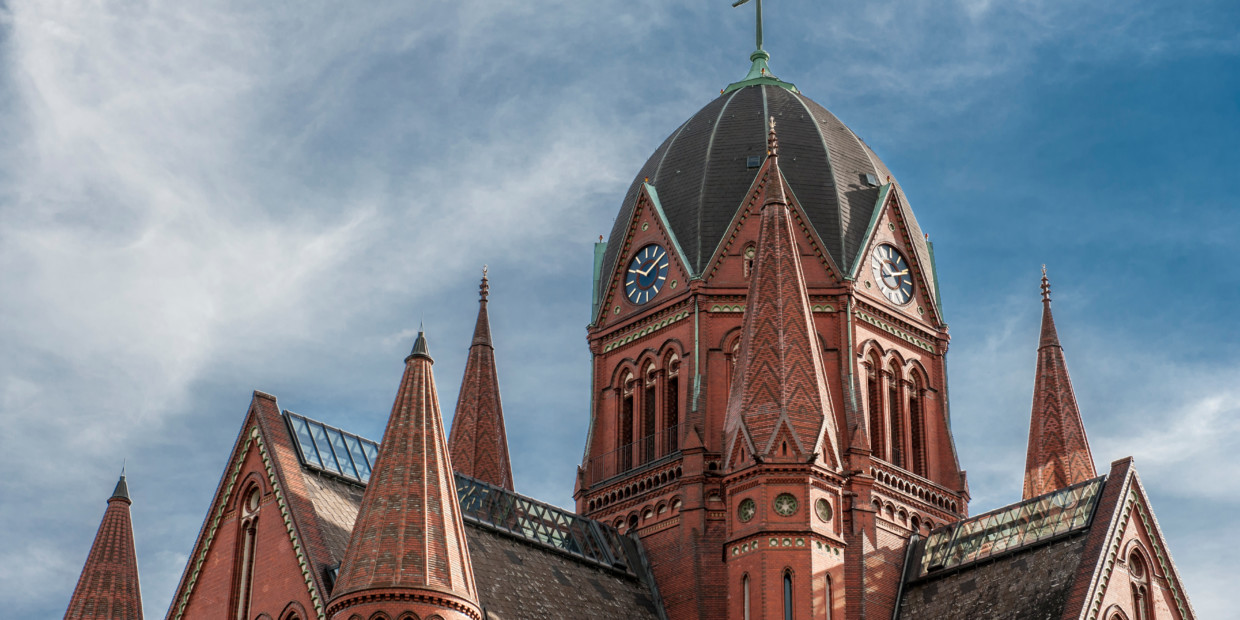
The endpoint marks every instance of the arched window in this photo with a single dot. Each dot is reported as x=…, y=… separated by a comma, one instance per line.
x=787, y=594
x=624, y=438
x=896, y=424
x=826, y=598
x=873, y=379
x=1138, y=573
x=917, y=425
x=243, y=570
x=745, y=588
x=671, y=407
x=649, y=405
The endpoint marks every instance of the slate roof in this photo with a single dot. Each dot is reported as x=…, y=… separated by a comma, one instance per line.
x=515, y=578
x=1016, y=562
x=702, y=174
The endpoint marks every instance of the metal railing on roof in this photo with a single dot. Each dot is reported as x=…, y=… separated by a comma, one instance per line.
x=342, y=454
x=1010, y=528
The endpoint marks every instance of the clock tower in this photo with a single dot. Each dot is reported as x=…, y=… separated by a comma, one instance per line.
x=768, y=366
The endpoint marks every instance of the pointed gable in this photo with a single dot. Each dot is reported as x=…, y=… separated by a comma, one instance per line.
x=780, y=398
x=1058, y=454
x=647, y=227
x=479, y=443
x=108, y=587
x=408, y=544
x=264, y=459
x=1126, y=563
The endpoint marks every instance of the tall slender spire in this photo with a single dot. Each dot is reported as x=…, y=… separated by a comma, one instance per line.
x=408, y=550
x=108, y=587
x=1058, y=454
x=479, y=443
x=779, y=406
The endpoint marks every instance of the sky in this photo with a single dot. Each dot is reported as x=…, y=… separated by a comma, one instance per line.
x=198, y=200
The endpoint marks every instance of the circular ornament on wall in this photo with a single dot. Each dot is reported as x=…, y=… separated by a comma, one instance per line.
x=785, y=504
x=746, y=510
x=823, y=509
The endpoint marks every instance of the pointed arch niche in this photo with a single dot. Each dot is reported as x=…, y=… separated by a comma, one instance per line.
x=874, y=403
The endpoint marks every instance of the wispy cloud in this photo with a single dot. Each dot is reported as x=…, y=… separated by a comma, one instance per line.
x=197, y=200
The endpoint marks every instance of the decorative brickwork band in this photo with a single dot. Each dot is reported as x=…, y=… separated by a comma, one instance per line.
x=779, y=406
x=479, y=443
x=108, y=587
x=408, y=542
x=1059, y=453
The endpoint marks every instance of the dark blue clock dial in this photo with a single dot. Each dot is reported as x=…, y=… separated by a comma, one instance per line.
x=891, y=273
x=646, y=274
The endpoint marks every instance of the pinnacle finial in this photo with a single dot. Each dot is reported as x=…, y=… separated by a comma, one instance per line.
x=1046, y=287
x=772, y=141
x=122, y=488
x=484, y=289
x=420, y=348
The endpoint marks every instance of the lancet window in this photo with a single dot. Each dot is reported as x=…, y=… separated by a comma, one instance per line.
x=1138, y=574
x=917, y=424
x=895, y=403
x=649, y=405
x=671, y=406
x=878, y=438
x=787, y=595
x=244, y=567
x=624, y=438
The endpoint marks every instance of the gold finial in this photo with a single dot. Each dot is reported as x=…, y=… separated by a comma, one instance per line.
x=772, y=141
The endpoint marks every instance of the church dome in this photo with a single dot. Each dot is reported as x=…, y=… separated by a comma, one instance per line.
x=703, y=170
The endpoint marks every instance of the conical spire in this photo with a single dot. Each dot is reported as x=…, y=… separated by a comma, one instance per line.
x=479, y=443
x=408, y=549
x=108, y=587
x=779, y=406
x=1058, y=453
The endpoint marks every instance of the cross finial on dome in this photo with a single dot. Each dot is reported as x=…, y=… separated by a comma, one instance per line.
x=1046, y=287
x=759, y=35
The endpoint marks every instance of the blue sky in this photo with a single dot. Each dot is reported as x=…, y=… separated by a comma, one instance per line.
x=202, y=199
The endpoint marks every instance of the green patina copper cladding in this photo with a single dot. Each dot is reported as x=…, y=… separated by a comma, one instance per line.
x=760, y=73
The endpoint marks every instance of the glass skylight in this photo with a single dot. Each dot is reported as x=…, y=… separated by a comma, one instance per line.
x=1012, y=527
x=332, y=450
x=329, y=449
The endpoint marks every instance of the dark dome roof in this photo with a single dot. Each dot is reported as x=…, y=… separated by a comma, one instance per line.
x=701, y=175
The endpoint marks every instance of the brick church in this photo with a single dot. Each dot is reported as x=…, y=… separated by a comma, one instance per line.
x=770, y=437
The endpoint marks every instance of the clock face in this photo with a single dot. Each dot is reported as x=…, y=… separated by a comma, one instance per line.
x=785, y=504
x=646, y=274
x=891, y=272
x=746, y=510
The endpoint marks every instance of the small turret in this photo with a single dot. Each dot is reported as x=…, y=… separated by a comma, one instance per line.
x=479, y=443
x=108, y=587
x=1058, y=454
x=408, y=550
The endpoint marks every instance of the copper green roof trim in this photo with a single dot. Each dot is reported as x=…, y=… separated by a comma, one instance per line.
x=760, y=73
